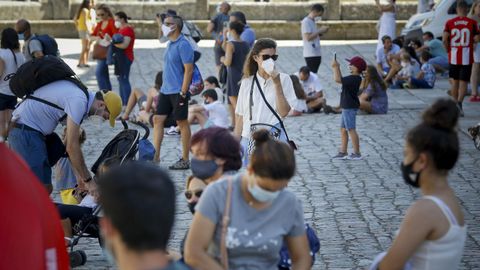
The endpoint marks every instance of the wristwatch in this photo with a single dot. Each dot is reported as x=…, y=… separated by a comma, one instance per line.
x=182, y=94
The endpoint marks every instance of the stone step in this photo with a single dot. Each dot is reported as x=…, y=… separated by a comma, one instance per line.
x=277, y=29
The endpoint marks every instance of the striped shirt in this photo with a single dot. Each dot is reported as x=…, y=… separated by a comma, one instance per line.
x=462, y=31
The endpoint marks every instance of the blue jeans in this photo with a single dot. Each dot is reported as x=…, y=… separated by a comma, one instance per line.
x=30, y=145
x=348, y=120
x=103, y=78
x=124, y=82
x=420, y=83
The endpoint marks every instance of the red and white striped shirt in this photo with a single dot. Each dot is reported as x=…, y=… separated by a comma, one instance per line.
x=462, y=30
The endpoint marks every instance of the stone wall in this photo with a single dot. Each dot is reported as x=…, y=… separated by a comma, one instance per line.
x=281, y=30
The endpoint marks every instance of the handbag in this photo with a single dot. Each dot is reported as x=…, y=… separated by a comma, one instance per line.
x=196, y=86
x=225, y=222
x=55, y=148
x=99, y=52
x=222, y=74
x=274, y=131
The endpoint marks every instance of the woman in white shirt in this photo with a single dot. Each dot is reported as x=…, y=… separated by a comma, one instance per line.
x=387, y=23
x=433, y=232
x=277, y=88
x=10, y=59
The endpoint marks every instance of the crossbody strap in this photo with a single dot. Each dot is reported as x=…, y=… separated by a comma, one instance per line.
x=225, y=222
x=14, y=58
x=268, y=105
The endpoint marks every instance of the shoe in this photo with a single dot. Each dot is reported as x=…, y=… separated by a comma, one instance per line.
x=460, y=111
x=354, y=156
x=328, y=109
x=180, y=165
x=172, y=131
x=475, y=99
x=340, y=155
x=406, y=86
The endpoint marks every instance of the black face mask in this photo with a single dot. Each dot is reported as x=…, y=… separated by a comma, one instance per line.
x=191, y=206
x=409, y=176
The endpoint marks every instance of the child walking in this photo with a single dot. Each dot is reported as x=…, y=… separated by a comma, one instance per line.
x=349, y=103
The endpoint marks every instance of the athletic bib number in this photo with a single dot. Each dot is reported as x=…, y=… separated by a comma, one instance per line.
x=460, y=37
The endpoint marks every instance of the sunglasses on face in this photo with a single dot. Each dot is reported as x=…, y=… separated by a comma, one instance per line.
x=267, y=56
x=189, y=194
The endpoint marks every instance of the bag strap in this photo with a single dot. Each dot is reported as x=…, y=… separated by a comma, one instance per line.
x=268, y=105
x=225, y=222
x=14, y=58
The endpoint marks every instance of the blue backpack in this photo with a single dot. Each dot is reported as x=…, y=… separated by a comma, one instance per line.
x=285, y=261
x=49, y=45
x=146, y=151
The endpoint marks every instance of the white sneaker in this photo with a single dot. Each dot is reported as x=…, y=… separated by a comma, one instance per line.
x=172, y=131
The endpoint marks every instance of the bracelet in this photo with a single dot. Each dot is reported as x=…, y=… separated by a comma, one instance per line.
x=88, y=179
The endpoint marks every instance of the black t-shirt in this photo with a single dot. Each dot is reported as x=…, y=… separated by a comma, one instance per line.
x=350, y=88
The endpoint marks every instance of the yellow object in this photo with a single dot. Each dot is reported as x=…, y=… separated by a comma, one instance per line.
x=67, y=196
x=114, y=105
x=84, y=20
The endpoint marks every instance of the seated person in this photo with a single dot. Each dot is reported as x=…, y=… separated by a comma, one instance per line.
x=435, y=47
x=312, y=88
x=426, y=76
x=374, y=97
x=146, y=103
x=407, y=71
x=212, y=83
x=395, y=62
x=211, y=113
x=66, y=181
x=72, y=214
x=300, y=106
x=382, y=54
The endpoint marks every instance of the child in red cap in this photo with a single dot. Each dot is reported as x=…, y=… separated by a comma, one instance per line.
x=349, y=103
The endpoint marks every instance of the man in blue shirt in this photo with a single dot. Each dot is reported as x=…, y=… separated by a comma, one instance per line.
x=174, y=95
x=248, y=34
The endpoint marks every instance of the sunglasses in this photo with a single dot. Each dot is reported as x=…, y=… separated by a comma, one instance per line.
x=189, y=194
x=267, y=56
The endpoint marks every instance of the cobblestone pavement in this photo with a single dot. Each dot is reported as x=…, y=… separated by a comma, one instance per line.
x=355, y=206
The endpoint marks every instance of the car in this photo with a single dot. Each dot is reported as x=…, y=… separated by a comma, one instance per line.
x=432, y=21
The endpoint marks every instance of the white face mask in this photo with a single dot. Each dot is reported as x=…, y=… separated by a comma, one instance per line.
x=167, y=30
x=404, y=64
x=262, y=195
x=318, y=18
x=268, y=65
x=229, y=36
x=118, y=24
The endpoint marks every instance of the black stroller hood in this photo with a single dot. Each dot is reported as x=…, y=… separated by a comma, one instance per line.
x=124, y=145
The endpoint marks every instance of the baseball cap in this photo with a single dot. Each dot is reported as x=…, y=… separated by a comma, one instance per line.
x=113, y=102
x=358, y=62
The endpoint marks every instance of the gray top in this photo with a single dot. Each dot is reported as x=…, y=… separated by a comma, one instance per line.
x=64, y=175
x=310, y=48
x=30, y=47
x=254, y=237
x=234, y=71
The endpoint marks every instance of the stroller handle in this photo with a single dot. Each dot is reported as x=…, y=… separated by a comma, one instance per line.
x=140, y=124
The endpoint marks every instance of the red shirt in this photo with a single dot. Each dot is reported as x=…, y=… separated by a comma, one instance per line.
x=462, y=31
x=109, y=29
x=127, y=31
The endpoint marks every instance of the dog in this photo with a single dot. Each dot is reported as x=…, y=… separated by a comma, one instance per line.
x=474, y=132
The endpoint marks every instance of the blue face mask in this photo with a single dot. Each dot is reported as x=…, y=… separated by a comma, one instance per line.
x=203, y=169
x=261, y=194
x=21, y=36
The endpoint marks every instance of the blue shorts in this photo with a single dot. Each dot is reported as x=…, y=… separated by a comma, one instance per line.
x=348, y=119
x=30, y=145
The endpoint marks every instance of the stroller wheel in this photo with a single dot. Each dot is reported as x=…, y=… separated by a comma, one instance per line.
x=77, y=258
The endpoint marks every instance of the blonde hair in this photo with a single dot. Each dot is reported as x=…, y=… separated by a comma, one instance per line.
x=471, y=14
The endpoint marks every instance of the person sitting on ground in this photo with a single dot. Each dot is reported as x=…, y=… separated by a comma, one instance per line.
x=66, y=181
x=382, y=54
x=312, y=88
x=72, y=214
x=433, y=232
x=211, y=113
x=135, y=229
x=300, y=106
x=405, y=73
x=146, y=103
x=211, y=82
x=260, y=205
x=374, y=98
x=395, y=61
x=435, y=47
x=416, y=44
x=426, y=76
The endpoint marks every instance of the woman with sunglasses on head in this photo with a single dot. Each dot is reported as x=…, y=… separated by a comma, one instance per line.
x=102, y=33
x=260, y=75
x=433, y=232
x=262, y=215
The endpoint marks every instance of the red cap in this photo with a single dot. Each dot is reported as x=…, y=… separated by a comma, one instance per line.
x=358, y=62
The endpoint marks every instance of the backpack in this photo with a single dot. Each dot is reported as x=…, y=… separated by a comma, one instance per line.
x=196, y=86
x=39, y=72
x=49, y=45
x=195, y=32
x=285, y=262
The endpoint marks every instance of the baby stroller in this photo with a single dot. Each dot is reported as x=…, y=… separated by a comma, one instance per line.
x=124, y=145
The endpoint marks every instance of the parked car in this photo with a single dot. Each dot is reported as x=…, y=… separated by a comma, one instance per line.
x=432, y=21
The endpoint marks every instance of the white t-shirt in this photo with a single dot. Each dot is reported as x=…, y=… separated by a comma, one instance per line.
x=45, y=118
x=382, y=57
x=10, y=68
x=300, y=105
x=260, y=112
x=217, y=113
x=310, y=48
x=312, y=85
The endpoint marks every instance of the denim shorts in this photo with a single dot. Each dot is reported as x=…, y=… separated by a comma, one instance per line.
x=348, y=119
x=30, y=145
